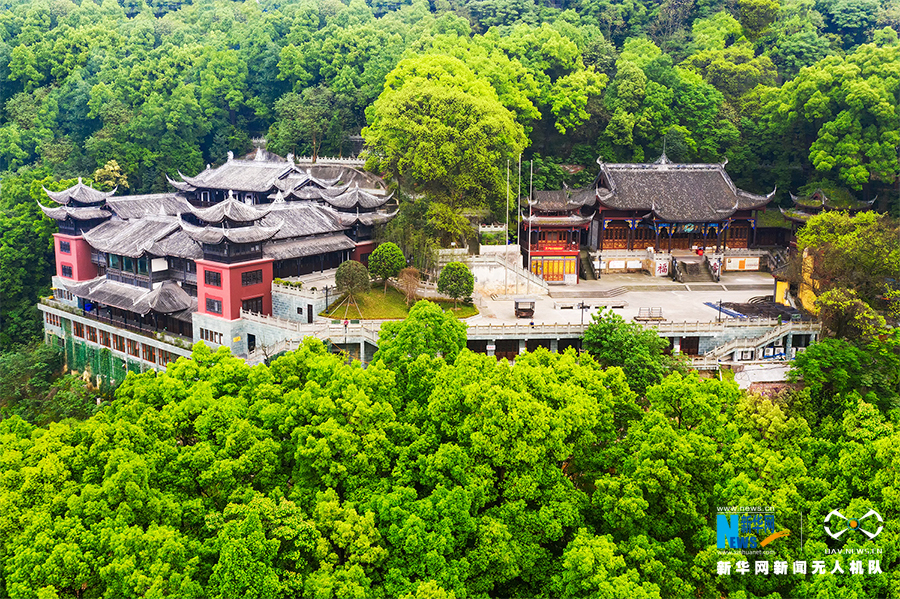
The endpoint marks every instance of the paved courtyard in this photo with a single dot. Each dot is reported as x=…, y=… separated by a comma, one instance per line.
x=679, y=302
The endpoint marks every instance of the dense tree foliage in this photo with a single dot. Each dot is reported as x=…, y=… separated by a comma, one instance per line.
x=456, y=280
x=386, y=261
x=436, y=472
x=860, y=252
x=446, y=93
x=640, y=352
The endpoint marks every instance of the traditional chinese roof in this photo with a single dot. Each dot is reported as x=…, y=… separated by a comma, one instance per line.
x=298, y=180
x=562, y=200
x=308, y=246
x=157, y=204
x=75, y=212
x=232, y=210
x=675, y=192
x=216, y=235
x=573, y=220
x=165, y=299
x=355, y=198
x=302, y=220
x=240, y=175
x=79, y=194
x=348, y=219
x=132, y=237
x=177, y=244
x=819, y=200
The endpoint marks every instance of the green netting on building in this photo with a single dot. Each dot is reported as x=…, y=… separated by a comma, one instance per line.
x=98, y=362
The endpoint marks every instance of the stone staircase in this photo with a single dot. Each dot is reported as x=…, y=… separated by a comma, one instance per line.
x=587, y=266
x=557, y=293
x=693, y=271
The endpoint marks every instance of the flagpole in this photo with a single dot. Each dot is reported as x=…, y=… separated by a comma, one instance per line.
x=528, y=240
x=506, y=249
x=519, y=221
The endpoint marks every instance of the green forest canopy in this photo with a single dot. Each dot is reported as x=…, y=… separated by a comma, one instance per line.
x=440, y=473
x=127, y=93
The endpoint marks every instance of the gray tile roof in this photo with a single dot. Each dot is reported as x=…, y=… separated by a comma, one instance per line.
x=241, y=175
x=676, y=192
x=165, y=299
x=559, y=200
x=355, y=198
x=232, y=210
x=348, y=219
x=565, y=221
x=75, y=212
x=177, y=244
x=79, y=193
x=130, y=238
x=308, y=246
x=156, y=204
x=215, y=235
x=301, y=220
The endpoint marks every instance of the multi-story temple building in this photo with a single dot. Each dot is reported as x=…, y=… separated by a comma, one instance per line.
x=149, y=275
x=663, y=206
x=557, y=225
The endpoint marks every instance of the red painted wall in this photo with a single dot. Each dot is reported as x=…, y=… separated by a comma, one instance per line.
x=366, y=247
x=232, y=293
x=79, y=258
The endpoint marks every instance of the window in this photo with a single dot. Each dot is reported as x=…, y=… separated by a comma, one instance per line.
x=213, y=305
x=115, y=262
x=127, y=264
x=211, y=336
x=63, y=294
x=65, y=247
x=67, y=271
x=253, y=277
x=118, y=343
x=78, y=329
x=53, y=319
x=253, y=305
x=134, y=348
x=165, y=357
x=104, y=338
x=142, y=265
x=91, y=334
x=149, y=352
x=299, y=310
x=212, y=278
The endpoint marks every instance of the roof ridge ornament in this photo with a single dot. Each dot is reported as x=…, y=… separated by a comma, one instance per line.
x=230, y=155
x=290, y=158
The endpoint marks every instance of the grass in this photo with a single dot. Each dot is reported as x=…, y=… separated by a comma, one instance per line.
x=376, y=305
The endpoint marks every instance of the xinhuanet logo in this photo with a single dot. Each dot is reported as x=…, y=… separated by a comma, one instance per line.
x=746, y=528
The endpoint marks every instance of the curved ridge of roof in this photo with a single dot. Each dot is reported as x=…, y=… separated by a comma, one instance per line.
x=215, y=235
x=75, y=212
x=180, y=185
x=356, y=198
x=79, y=192
x=230, y=209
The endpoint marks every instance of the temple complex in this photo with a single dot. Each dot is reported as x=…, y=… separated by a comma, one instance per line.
x=185, y=265
x=661, y=206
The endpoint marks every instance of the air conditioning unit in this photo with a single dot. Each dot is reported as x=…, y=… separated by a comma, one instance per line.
x=768, y=352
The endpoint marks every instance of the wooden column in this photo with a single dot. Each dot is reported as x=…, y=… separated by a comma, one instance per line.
x=669, y=231
x=656, y=247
